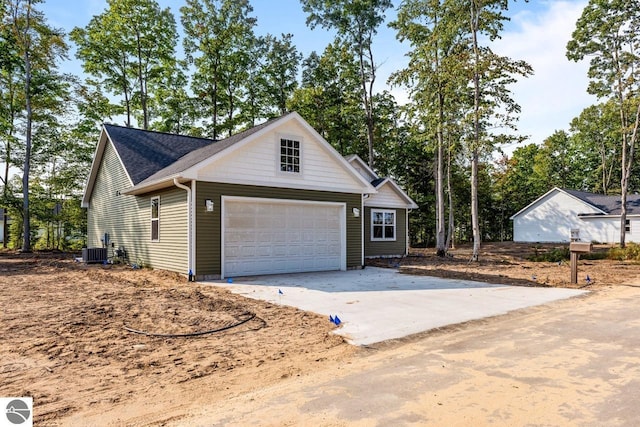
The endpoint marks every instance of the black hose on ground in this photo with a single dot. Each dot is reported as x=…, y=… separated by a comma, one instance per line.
x=193, y=334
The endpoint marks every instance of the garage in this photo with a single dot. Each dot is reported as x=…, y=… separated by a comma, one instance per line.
x=271, y=236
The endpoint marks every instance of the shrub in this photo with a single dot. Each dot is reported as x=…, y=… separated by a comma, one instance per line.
x=553, y=255
x=631, y=252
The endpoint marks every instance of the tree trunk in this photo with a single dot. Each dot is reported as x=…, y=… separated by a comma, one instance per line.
x=367, y=96
x=441, y=247
x=475, y=221
x=5, y=191
x=26, y=242
x=143, y=89
x=624, y=178
x=451, y=228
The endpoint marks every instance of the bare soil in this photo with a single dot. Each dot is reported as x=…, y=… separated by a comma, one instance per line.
x=64, y=342
x=66, y=337
x=508, y=263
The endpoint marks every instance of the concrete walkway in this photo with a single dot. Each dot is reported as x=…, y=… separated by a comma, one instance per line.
x=378, y=304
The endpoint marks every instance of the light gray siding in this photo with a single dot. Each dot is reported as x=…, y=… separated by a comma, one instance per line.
x=208, y=224
x=127, y=219
x=398, y=247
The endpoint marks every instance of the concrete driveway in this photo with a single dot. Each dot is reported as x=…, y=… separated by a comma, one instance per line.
x=378, y=304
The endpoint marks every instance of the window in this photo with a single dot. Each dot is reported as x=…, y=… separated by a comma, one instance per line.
x=289, y=155
x=383, y=225
x=627, y=226
x=155, y=219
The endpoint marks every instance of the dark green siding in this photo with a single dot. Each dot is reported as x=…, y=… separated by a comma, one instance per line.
x=388, y=248
x=208, y=224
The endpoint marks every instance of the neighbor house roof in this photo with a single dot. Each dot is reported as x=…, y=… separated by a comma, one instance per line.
x=612, y=205
x=605, y=204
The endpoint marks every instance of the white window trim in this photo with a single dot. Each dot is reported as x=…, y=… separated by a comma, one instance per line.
x=278, y=163
x=627, y=226
x=395, y=222
x=154, y=219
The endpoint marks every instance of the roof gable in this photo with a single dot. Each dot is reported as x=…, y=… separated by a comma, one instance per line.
x=589, y=206
x=255, y=160
x=389, y=195
x=600, y=203
x=362, y=167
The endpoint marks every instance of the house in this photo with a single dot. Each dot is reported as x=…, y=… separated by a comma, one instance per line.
x=591, y=217
x=276, y=198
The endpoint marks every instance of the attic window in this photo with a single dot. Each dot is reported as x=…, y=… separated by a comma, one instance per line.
x=289, y=155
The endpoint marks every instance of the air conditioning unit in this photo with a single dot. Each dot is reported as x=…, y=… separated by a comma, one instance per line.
x=93, y=255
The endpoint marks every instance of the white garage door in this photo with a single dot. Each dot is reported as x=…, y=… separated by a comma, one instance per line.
x=267, y=236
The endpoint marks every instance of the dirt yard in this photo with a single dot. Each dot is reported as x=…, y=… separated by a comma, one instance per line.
x=507, y=263
x=64, y=340
x=67, y=341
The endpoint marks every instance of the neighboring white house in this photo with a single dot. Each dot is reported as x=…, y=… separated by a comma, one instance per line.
x=596, y=218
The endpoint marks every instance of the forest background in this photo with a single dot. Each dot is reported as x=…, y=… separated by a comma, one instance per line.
x=438, y=110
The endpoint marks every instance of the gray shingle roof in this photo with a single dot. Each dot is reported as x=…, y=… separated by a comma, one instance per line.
x=609, y=204
x=144, y=152
x=377, y=182
x=150, y=156
x=197, y=155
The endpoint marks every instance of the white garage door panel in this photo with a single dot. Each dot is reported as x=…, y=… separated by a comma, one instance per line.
x=268, y=237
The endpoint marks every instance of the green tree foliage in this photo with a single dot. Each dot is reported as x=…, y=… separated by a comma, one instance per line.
x=608, y=32
x=357, y=23
x=130, y=49
x=329, y=98
x=218, y=40
x=596, y=136
x=280, y=70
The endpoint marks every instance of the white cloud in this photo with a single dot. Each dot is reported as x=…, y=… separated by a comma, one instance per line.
x=556, y=93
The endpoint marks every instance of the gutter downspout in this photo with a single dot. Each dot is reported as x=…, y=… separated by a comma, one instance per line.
x=189, y=227
x=407, y=243
x=362, y=230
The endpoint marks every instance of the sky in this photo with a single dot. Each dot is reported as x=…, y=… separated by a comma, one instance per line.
x=538, y=33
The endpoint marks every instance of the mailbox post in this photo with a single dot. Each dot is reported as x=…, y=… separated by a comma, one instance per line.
x=575, y=249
